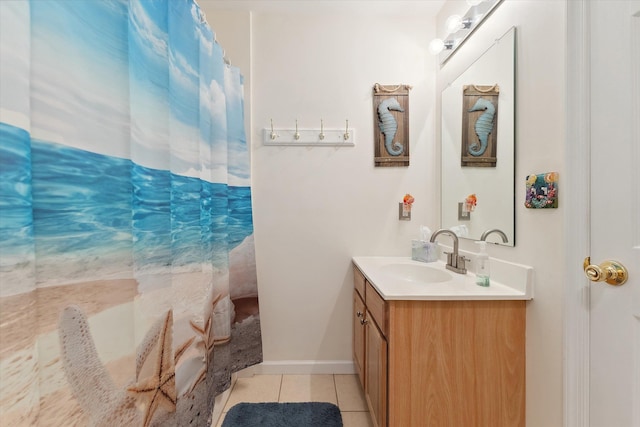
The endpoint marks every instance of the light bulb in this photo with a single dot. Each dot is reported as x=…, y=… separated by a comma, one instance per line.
x=436, y=46
x=453, y=23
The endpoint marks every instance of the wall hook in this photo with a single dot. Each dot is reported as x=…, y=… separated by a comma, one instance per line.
x=344, y=136
x=296, y=135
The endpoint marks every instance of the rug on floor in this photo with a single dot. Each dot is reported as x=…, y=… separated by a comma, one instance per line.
x=304, y=414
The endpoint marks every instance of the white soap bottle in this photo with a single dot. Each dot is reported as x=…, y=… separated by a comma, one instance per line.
x=482, y=265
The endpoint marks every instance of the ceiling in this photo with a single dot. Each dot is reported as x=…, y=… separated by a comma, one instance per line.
x=363, y=7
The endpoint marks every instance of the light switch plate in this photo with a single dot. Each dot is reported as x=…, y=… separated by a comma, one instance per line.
x=402, y=214
x=462, y=214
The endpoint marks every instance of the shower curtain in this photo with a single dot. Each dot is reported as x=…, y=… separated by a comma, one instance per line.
x=128, y=291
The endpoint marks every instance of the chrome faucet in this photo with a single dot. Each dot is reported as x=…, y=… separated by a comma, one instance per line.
x=455, y=262
x=497, y=231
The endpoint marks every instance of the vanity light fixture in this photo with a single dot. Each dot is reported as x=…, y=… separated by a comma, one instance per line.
x=455, y=23
x=460, y=27
x=438, y=45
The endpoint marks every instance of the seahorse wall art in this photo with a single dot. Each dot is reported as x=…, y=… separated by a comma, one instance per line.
x=483, y=126
x=389, y=126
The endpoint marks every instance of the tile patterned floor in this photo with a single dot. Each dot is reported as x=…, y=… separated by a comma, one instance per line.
x=342, y=390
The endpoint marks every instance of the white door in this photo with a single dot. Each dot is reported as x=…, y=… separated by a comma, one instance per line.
x=614, y=373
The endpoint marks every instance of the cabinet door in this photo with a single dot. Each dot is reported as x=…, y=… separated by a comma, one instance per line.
x=376, y=373
x=358, y=336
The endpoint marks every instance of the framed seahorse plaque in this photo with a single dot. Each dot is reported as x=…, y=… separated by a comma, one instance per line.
x=479, y=126
x=391, y=124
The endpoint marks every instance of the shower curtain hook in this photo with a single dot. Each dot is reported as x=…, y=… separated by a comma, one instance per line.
x=224, y=56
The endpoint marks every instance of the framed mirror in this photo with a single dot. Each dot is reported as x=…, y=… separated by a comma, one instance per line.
x=478, y=146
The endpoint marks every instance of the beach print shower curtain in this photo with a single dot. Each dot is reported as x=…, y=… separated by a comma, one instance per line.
x=128, y=289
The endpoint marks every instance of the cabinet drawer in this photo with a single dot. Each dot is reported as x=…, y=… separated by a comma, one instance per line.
x=358, y=281
x=377, y=307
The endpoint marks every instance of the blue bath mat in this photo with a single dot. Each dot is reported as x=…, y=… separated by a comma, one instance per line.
x=307, y=414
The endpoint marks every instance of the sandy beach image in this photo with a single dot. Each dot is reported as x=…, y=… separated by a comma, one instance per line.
x=119, y=320
x=30, y=357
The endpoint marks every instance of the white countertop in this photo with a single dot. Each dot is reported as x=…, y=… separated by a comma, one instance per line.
x=509, y=281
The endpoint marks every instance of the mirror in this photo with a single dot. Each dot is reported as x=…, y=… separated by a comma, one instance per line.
x=479, y=105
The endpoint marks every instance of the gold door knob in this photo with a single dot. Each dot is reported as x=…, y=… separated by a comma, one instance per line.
x=611, y=272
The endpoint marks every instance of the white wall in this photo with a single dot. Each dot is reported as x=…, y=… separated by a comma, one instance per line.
x=540, y=128
x=317, y=207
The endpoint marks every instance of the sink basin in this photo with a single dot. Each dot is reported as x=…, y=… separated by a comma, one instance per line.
x=415, y=273
x=401, y=278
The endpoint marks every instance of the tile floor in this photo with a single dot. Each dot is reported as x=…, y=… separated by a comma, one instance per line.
x=342, y=390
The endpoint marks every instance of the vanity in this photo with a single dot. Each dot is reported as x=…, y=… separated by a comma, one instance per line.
x=431, y=348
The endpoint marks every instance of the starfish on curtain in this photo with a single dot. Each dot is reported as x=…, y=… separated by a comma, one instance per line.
x=159, y=389
x=205, y=333
x=90, y=382
x=107, y=405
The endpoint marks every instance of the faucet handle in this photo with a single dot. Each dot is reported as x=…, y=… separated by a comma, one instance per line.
x=461, y=262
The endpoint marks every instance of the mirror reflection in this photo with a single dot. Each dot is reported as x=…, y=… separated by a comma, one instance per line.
x=478, y=146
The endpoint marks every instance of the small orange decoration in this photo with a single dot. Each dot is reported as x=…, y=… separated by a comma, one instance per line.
x=408, y=199
x=470, y=202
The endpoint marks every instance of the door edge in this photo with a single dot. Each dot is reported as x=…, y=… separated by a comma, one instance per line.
x=576, y=217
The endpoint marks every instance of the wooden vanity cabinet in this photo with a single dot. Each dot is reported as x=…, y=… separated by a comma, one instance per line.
x=440, y=363
x=376, y=372
x=370, y=347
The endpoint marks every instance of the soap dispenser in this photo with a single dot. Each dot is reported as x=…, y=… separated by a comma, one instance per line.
x=482, y=265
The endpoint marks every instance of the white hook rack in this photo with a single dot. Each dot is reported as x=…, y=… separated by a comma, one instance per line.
x=309, y=137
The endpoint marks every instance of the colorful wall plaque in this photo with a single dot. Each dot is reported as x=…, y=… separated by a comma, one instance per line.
x=542, y=191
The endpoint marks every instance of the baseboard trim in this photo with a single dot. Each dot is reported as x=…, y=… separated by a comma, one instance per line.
x=304, y=367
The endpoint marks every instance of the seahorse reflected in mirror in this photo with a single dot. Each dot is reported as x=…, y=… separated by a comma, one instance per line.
x=483, y=126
